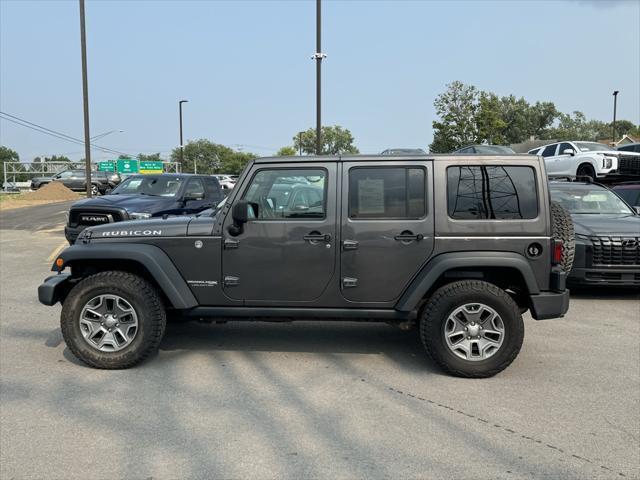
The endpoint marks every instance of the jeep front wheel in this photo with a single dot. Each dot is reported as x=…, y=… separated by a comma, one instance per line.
x=113, y=320
x=471, y=329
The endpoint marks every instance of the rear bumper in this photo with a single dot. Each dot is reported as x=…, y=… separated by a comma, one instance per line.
x=623, y=277
x=53, y=289
x=547, y=305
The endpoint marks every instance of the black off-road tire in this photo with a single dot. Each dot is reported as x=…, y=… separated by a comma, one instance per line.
x=142, y=296
x=586, y=170
x=444, y=301
x=562, y=229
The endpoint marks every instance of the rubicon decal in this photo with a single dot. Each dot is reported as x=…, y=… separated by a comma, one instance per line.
x=132, y=233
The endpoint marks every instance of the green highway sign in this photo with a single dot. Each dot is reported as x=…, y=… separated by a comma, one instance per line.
x=127, y=165
x=108, y=166
x=151, y=167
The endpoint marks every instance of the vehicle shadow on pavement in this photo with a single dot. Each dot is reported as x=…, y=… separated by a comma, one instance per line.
x=360, y=338
x=605, y=293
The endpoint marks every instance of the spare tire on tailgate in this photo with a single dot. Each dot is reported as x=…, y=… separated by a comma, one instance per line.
x=562, y=229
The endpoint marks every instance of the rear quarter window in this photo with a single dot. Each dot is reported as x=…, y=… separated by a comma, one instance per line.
x=492, y=192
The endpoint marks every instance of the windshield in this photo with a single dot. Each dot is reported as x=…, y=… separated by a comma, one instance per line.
x=589, y=200
x=492, y=149
x=593, y=147
x=160, y=186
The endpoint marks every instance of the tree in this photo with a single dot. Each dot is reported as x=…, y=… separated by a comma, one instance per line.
x=577, y=127
x=335, y=140
x=57, y=158
x=8, y=155
x=287, y=152
x=457, y=108
x=153, y=157
x=211, y=158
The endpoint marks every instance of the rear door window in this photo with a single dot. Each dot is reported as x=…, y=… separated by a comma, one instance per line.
x=382, y=192
x=549, y=151
x=492, y=193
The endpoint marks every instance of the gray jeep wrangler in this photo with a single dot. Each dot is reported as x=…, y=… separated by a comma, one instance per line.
x=460, y=246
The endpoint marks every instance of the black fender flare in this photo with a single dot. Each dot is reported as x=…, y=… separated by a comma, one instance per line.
x=156, y=261
x=430, y=273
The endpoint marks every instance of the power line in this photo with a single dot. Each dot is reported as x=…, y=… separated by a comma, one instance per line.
x=53, y=133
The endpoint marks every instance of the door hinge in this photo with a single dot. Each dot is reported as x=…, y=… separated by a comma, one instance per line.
x=230, y=244
x=349, y=245
x=348, y=282
x=230, y=281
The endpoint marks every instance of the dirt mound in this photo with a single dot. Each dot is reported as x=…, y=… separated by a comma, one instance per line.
x=54, y=191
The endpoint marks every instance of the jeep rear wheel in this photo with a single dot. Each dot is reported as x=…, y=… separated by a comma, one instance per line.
x=471, y=329
x=113, y=320
x=562, y=229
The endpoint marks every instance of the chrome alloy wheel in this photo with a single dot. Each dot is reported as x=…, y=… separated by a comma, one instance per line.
x=108, y=323
x=474, y=332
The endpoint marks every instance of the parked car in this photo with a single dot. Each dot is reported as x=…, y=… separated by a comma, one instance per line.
x=459, y=246
x=142, y=197
x=486, y=150
x=588, y=159
x=630, y=147
x=226, y=182
x=403, y=151
x=101, y=182
x=630, y=192
x=607, y=233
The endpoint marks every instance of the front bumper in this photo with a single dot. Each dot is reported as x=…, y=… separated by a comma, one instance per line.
x=71, y=233
x=621, y=277
x=54, y=289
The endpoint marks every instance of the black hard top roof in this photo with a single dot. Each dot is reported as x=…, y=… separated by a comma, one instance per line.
x=388, y=158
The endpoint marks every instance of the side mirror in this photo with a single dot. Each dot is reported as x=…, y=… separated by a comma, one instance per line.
x=240, y=215
x=568, y=151
x=193, y=196
x=637, y=209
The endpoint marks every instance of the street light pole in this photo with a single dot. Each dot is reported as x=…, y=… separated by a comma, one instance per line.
x=318, y=56
x=181, y=143
x=615, y=105
x=85, y=100
x=300, y=143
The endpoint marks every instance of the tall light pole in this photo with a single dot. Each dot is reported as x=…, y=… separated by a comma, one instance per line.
x=318, y=56
x=85, y=100
x=615, y=105
x=181, y=144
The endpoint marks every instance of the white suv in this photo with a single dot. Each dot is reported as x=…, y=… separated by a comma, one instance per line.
x=578, y=158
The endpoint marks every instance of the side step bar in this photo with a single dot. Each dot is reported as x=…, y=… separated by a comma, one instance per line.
x=252, y=313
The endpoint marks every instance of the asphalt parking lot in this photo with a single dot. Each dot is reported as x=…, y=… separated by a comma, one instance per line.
x=310, y=400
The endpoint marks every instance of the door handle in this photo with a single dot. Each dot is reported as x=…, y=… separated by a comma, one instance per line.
x=317, y=237
x=349, y=245
x=408, y=236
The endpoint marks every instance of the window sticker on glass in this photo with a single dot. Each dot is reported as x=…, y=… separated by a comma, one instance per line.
x=371, y=196
x=594, y=197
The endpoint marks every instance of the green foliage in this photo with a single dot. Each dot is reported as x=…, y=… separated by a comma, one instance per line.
x=8, y=155
x=287, y=152
x=335, y=140
x=211, y=158
x=457, y=109
x=57, y=158
x=467, y=116
x=153, y=157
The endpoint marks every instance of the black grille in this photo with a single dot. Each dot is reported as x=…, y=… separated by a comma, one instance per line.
x=616, y=250
x=629, y=165
x=93, y=217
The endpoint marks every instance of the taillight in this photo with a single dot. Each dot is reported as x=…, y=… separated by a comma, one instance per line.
x=556, y=252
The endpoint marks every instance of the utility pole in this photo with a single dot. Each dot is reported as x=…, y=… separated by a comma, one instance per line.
x=85, y=100
x=318, y=56
x=615, y=104
x=181, y=144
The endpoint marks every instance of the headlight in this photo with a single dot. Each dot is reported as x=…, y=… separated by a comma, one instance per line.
x=139, y=215
x=607, y=162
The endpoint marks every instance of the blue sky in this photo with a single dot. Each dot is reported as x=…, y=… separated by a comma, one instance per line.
x=245, y=67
